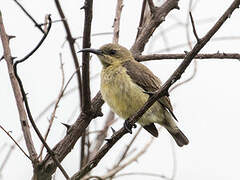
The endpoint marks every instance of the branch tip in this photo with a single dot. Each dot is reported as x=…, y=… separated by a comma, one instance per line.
x=194, y=29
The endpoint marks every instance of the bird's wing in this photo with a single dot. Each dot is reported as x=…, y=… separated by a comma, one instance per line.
x=144, y=78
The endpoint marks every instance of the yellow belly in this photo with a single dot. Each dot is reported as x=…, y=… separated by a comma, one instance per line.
x=125, y=97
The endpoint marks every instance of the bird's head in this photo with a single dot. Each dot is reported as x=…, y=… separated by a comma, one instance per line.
x=110, y=54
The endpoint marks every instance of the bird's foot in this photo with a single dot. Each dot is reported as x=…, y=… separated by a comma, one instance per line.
x=129, y=126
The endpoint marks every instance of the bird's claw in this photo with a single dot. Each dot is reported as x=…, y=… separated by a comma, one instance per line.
x=129, y=126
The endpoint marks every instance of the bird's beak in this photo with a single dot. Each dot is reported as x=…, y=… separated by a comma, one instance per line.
x=94, y=51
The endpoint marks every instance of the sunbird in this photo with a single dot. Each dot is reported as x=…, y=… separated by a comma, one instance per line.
x=127, y=84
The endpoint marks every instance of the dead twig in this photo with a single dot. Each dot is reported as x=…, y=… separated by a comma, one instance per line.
x=154, y=21
x=71, y=42
x=56, y=105
x=193, y=26
x=15, y=142
x=116, y=23
x=28, y=15
x=217, y=55
x=18, y=95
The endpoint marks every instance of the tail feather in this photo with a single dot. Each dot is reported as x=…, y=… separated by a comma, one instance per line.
x=179, y=137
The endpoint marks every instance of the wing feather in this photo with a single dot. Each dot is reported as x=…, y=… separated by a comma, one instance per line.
x=144, y=78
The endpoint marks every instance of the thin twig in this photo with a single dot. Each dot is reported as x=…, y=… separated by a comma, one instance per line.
x=193, y=26
x=217, y=55
x=97, y=34
x=27, y=105
x=17, y=94
x=56, y=105
x=186, y=44
x=116, y=23
x=54, y=21
x=103, y=133
x=9, y=135
x=125, y=152
x=161, y=92
x=141, y=21
x=130, y=161
x=188, y=79
x=33, y=20
x=71, y=42
x=124, y=155
x=37, y=46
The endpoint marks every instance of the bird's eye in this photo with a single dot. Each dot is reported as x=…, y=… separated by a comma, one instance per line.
x=112, y=52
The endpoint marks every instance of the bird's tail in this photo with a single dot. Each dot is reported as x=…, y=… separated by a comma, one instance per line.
x=179, y=137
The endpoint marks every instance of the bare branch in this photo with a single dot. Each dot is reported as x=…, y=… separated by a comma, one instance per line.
x=97, y=34
x=67, y=143
x=155, y=20
x=188, y=79
x=130, y=161
x=71, y=42
x=141, y=21
x=116, y=23
x=103, y=134
x=186, y=44
x=128, y=147
x=218, y=55
x=18, y=95
x=86, y=101
x=56, y=105
x=28, y=15
x=27, y=105
x=9, y=135
x=193, y=26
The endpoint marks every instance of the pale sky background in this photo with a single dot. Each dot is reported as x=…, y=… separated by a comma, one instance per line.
x=207, y=107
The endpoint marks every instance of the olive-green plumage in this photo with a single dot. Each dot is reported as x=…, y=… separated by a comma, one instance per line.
x=124, y=83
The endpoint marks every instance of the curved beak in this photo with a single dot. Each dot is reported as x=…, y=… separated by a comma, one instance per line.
x=90, y=50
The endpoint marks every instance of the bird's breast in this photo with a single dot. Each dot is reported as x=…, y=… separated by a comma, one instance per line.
x=121, y=94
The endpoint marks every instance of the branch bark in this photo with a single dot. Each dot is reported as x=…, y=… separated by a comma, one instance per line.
x=86, y=93
x=71, y=42
x=17, y=94
x=141, y=58
x=157, y=17
x=116, y=23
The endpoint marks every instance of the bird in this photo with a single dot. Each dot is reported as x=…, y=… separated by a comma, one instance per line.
x=126, y=85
